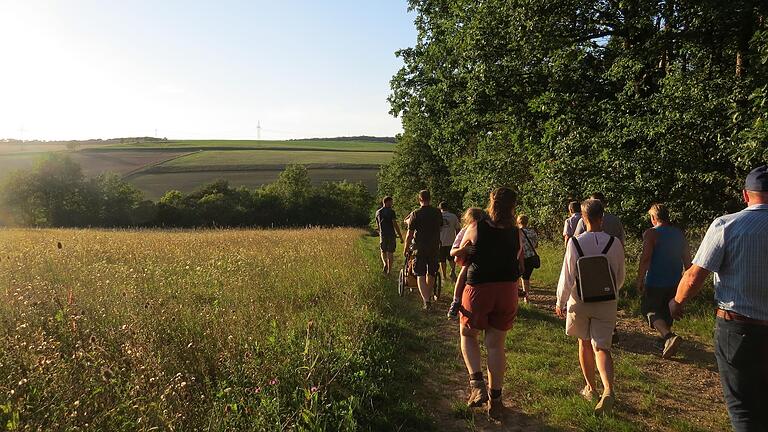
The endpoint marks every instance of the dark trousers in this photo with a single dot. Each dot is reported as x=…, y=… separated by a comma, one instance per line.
x=741, y=350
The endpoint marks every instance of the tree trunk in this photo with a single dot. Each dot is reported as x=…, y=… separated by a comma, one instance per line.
x=745, y=32
x=740, y=64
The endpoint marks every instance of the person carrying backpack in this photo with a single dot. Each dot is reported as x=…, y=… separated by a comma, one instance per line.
x=593, y=270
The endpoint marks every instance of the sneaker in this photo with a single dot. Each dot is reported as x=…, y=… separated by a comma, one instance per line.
x=588, y=393
x=670, y=346
x=478, y=394
x=605, y=406
x=453, y=311
x=495, y=408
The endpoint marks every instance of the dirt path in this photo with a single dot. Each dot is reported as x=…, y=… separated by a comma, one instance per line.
x=690, y=382
x=450, y=412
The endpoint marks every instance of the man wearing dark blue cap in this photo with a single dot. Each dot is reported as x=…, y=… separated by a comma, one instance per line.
x=735, y=248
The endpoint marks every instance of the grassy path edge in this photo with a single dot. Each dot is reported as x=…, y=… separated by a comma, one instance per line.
x=543, y=375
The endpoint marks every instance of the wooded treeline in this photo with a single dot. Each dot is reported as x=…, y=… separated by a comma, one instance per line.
x=647, y=101
x=57, y=194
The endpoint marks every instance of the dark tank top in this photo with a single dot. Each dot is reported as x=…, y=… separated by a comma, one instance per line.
x=496, y=255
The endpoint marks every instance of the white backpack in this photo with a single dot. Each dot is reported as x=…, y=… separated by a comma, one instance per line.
x=594, y=278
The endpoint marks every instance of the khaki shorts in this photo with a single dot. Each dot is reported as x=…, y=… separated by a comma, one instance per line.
x=592, y=321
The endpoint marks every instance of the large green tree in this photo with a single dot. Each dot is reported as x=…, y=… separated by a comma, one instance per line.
x=644, y=100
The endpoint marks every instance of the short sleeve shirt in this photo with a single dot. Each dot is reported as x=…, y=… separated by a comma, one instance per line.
x=530, y=243
x=426, y=223
x=459, y=238
x=449, y=228
x=734, y=248
x=385, y=218
x=569, y=227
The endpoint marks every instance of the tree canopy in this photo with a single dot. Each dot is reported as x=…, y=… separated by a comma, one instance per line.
x=646, y=101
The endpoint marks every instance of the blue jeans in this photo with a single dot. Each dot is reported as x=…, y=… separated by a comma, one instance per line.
x=741, y=350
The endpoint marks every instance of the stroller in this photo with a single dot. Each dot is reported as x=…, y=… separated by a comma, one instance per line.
x=407, y=278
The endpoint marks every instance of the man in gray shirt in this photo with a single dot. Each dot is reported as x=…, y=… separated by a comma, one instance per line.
x=451, y=226
x=611, y=224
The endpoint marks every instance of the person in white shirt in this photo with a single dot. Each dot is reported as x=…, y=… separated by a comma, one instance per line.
x=592, y=323
x=451, y=226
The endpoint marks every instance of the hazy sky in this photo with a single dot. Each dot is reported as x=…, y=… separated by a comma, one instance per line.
x=79, y=69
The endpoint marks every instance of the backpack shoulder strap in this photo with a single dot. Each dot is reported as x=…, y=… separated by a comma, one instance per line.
x=577, y=246
x=608, y=246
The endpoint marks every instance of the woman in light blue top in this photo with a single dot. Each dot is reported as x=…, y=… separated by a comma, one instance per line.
x=665, y=257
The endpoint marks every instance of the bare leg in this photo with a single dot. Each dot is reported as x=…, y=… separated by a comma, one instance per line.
x=425, y=288
x=497, y=361
x=470, y=349
x=587, y=362
x=384, y=261
x=461, y=281
x=605, y=366
x=524, y=285
x=390, y=260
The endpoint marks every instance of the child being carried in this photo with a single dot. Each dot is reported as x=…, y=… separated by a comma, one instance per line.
x=463, y=255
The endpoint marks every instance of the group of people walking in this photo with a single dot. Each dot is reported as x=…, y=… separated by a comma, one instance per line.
x=495, y=253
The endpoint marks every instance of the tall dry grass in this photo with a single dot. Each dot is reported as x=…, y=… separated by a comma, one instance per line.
x=214, y=330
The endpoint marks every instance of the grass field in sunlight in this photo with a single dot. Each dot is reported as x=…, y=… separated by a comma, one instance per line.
x=193, y=330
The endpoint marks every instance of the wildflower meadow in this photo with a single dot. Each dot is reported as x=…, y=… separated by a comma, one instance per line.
x=191, y=330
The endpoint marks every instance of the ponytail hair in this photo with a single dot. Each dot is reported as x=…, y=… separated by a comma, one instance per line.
x=501, y=207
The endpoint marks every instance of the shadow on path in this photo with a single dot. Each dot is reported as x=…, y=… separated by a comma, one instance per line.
x=635, y=337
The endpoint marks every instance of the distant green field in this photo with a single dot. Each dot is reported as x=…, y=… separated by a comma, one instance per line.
x=259, y=144
x=277, y=157
x=155, y=167
x=154, y=185
x=16, y=161
x=92, y=163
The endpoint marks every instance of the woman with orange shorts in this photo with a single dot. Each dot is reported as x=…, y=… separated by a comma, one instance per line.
x=489, y=301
